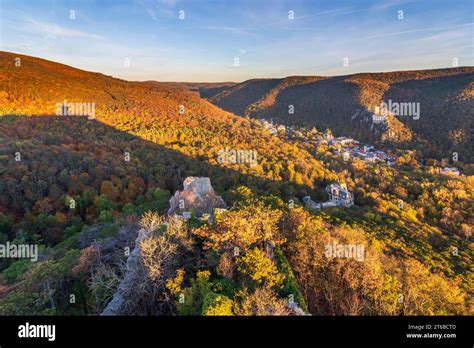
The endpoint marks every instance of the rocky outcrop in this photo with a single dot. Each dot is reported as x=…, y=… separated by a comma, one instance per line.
x=126, y=286
x=198, y=197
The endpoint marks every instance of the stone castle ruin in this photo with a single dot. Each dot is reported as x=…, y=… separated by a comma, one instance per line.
x=197, y=198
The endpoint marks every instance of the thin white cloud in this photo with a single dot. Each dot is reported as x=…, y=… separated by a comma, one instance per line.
x=390, y=3
x=234, y=30
x=340, y=11
x=351, y=9
x=169, y=3
x=35, y=26
x=437, y=28
x=157, y=8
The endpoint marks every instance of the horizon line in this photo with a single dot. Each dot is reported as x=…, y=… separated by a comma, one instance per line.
x=237, y=82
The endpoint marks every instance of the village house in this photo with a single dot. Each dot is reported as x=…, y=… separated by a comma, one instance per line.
x=368, y=148
x=341, y=140
x=346, y=156
x=269, y=126
x=450, y=171
x=338, y=195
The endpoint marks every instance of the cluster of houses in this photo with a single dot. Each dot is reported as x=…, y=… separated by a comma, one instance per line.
x=273, y=128
x=368, y=154
x=349, y=148
x=328, y=139
x=287, y=132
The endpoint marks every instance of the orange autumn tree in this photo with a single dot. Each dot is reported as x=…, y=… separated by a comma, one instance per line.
x=252, y=225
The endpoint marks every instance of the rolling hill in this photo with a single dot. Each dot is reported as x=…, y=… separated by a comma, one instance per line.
x=183, y=121
x=345, y=104
x=82, y=187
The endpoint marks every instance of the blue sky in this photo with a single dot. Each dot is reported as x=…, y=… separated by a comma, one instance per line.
x=260, y=33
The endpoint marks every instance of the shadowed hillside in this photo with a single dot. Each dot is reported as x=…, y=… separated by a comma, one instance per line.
x=78, y=186
x=345, y=104
x=64, y=158
x=162, y=113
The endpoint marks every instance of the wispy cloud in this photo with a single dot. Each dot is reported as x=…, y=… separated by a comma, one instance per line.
x=35, y=26
x=234, y=30
x=340, y=11
x=381, y=5
x=157, y=8
x=436, y=28
x=170, y=3
x=262, y=34
x=351, y=9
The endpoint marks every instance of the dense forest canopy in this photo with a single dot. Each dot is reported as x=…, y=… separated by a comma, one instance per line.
x=345, y=104
x=81, y=187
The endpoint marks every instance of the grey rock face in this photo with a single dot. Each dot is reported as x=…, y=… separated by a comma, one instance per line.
x=118, y=302
x=197, y=197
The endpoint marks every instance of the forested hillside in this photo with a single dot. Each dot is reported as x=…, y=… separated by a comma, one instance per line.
x=82, y=187
x=345, y=104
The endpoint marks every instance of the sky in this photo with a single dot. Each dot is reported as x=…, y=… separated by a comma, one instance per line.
x=235, y=40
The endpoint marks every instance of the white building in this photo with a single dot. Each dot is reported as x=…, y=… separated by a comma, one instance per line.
x=339, y=194
x=342, y=141
x=453, y=171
